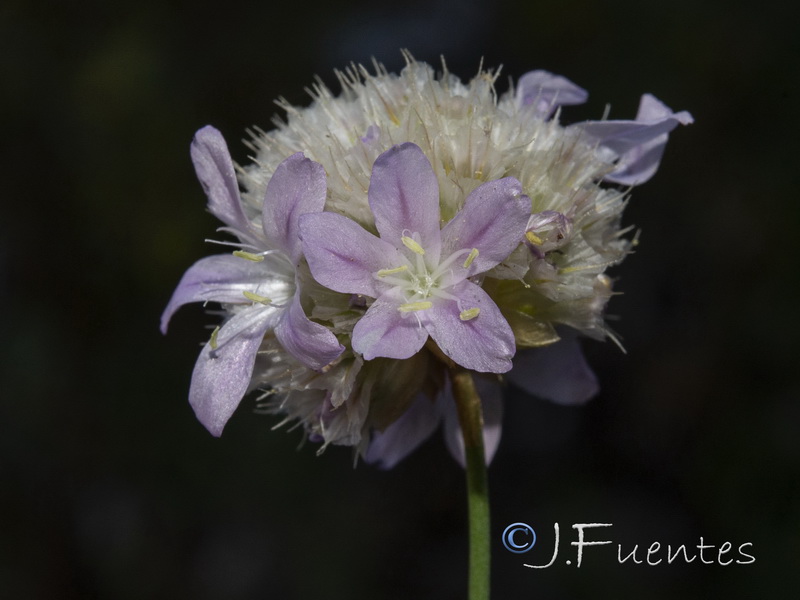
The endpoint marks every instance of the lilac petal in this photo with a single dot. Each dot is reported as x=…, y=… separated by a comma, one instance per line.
x=297, y=187
x=311, y=343
x=558, y=372
x=385, y=331
x=547, y=92
x=484, y=343
x=493, y=220
x=218, y=278
x=401, y=438
x=214, y=168
x=491, y=396
x=221, y=377
x=639, y=144
x=343, y=256
x=404, y=197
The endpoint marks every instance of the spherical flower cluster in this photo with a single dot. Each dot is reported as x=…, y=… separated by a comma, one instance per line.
x=411, y=222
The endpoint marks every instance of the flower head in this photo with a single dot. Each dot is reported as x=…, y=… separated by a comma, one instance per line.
x=413, y=220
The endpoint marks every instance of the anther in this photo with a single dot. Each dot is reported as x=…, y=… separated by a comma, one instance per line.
x=469, y=314
x=213, y=341
x=412, y=245
x=533, y=238
x=385, y=272
x=249, y=256
x=256, y=298
x=473, y=254
x=414, y=306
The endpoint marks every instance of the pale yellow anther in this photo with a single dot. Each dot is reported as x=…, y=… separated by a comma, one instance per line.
x=213, y=341
x=385, y=272
x=256, y=298
x=249, y=256
x=414, y=306
x=412, y=245
x=473, y=254
x=533, y=238
x=577, y=268
x=469, y=314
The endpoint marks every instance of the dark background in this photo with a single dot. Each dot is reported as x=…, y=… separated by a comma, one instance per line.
x=109, y=487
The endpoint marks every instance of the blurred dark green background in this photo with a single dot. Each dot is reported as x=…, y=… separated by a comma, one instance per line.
x=109, y=488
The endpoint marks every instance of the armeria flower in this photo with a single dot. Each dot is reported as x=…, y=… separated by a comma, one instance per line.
x=637, y=145
x=258, y=284
x=436, y=217
x=419, y=274
x=545, y=92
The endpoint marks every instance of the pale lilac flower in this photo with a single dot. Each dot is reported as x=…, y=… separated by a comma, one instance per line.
x=546, y=92
x=259, y=283
x=425, y=416
x=547, y=231
x=558, y=372
x=637, y=145
x=420, y=275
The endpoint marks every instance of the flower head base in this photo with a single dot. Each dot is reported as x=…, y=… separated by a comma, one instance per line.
x=413, y=220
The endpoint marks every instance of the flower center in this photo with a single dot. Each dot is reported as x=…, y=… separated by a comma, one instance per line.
x=418, y=283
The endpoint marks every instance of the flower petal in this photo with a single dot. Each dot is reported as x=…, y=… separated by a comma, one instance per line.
x=223, y=278
x=344, y=256
x=221, y=377
x=493, y=220
x=297, y=187
x=546, y=92
x=385, y=331
x=491, y=396
x=404, y=197
x=484, y=343
x=311, y=343
x=638, y=144
x=214, y=168
x=401, y=438
x=558, y=372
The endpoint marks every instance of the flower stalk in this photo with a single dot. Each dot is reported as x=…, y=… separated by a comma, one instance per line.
x=470, y=418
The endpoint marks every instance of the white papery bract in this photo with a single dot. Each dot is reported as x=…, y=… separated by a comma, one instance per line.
x=360, y=265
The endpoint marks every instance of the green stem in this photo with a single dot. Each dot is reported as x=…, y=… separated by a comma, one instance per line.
x=470, y=418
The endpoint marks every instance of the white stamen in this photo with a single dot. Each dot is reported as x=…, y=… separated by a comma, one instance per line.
x=444, y=266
